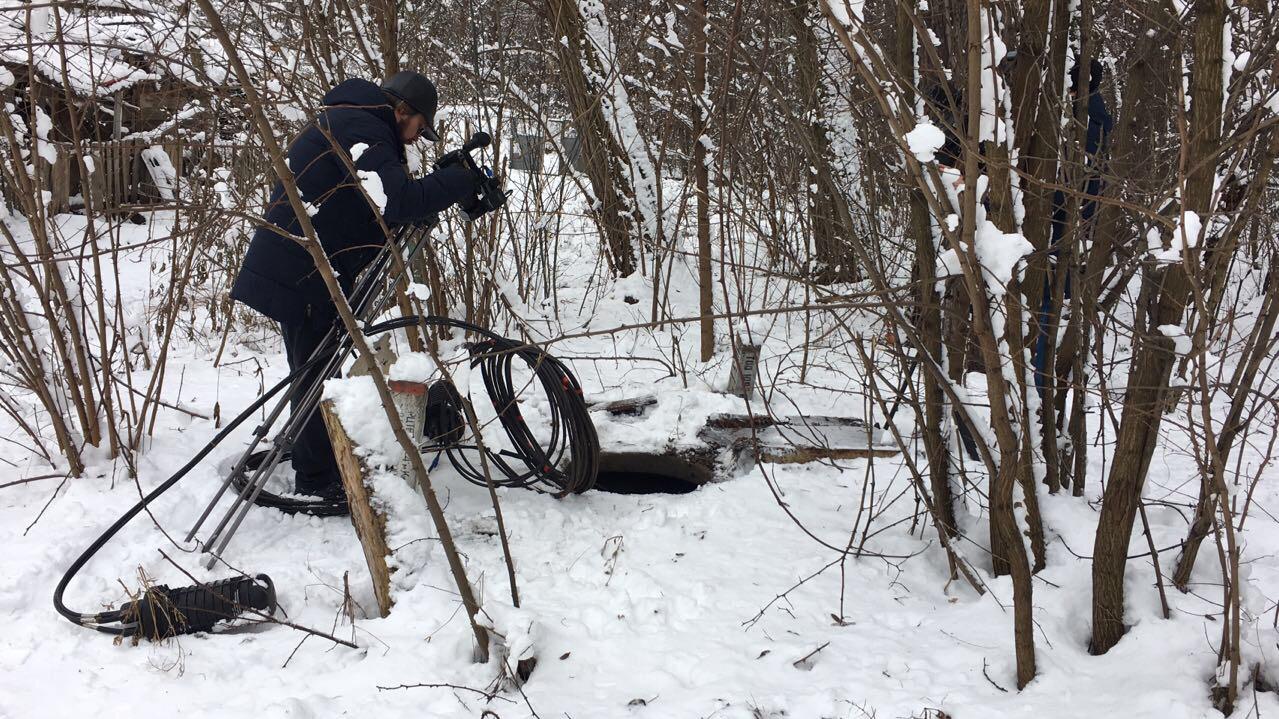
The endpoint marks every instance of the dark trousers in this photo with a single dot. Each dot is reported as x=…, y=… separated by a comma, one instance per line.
x=313, y=461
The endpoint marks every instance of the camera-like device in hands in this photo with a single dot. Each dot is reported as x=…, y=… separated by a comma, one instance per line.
x=489, y=197
x=489, y=194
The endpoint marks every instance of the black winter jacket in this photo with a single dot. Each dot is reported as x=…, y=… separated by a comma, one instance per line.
x=278, y=277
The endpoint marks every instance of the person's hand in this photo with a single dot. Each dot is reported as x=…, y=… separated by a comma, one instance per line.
x=488, y=197
x=472, y=209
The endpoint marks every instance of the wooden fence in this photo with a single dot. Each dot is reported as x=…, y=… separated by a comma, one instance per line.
x=128, y=173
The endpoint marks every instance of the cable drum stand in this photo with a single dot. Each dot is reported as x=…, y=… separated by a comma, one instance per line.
x=567, y=463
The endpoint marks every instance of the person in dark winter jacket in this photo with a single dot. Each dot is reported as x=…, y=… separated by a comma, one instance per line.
x=1096, y=146
x=370, y=126
x=1096, y=141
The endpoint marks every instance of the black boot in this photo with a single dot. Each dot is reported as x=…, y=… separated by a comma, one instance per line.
x=314, y=465
x=328, y=489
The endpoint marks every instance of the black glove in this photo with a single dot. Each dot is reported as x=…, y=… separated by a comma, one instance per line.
x=471, y=208
x=488, y=196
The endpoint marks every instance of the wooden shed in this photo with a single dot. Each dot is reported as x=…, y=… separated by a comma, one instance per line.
x=110, y=97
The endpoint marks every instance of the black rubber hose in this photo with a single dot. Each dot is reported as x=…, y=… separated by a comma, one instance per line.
x=573, y=433
x=92, y=620
x=494, y=358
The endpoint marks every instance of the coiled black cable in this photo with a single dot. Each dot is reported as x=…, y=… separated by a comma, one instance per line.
x=289, y=505
x=569, y=461
x=573, y=438
x=567, y=464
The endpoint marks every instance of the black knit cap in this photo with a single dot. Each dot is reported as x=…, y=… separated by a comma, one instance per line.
x=419, y=93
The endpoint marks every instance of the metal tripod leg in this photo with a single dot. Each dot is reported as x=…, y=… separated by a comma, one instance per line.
x=283, y=442
x=369, y=300
x=259, y=434
x=361, y=297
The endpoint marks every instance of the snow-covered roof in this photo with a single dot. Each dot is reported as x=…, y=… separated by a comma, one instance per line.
x=114, y=46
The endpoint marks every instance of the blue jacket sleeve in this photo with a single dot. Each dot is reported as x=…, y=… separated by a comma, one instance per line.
x=410, y=200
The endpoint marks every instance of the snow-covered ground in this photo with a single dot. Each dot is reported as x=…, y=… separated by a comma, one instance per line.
x=726, y=602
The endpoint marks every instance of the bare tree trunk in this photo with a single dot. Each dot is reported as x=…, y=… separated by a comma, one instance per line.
x=1026, y=425
x=1169, y=290
x=575, y=53
x=1011, y=551
x=700, y=115
x=1000, y=198
x=1260, y=348
x=1035, y=91
x=386, y=15
x=929, y=320
x=830, y=245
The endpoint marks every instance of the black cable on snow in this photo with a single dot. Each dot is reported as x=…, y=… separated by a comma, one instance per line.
x=96, y=620
x=566, y=464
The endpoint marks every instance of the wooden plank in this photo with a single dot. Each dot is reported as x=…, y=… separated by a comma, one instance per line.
x=726, y=420
x=370, y=525
x=60, y=179
x=383, y=354
x=801, y=455
x=793, y=440
x=94, y=186
x=629, y=407
x=119, y=173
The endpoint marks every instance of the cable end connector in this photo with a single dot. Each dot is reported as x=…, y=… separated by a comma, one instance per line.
x=163, y=612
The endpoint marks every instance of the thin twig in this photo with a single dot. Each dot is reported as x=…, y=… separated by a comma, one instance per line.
x=487, y=695
x=992, y=681
x=809, y=655
x=33, y=479
x=1154, y=560
x=295, y=651
x=751, y=622
x=46, y=505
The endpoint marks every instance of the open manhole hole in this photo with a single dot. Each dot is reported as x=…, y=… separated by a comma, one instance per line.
x=643, y=473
